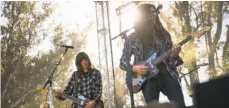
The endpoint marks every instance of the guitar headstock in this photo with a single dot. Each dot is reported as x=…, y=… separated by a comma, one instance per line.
x=46, y=89
x=199, y=33
x=40, y=87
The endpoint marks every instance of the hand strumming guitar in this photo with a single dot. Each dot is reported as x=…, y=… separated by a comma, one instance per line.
x=58, y=93
x=140, y=69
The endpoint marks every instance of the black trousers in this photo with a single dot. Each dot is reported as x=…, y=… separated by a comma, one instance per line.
x=166, y=84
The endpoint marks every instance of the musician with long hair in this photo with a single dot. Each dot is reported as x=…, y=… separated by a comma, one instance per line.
x=149, y=37
x=86, y=82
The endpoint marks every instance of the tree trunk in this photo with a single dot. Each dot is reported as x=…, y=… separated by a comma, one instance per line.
x=213, y=43
x=209, y=41
x=23, y=97
x=9, y=55
x=194, y=75
x=184, y=13
x=226, y=52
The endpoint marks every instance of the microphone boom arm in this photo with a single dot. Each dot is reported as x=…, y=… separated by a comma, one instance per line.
x=49, y=81
x=197, y=67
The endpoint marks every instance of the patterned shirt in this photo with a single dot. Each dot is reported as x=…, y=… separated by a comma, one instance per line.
x=133, y=47
x=89, y=84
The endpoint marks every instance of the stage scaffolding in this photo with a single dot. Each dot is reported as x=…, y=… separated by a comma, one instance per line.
x=103, y=31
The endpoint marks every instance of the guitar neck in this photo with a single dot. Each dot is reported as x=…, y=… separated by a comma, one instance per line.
x=168, y=52
x=71, y=98
x=185, y=40
x=55, y=92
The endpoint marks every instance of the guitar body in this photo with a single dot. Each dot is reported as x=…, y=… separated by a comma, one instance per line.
x=98, y=104
x=84, y=101
x=138, y=80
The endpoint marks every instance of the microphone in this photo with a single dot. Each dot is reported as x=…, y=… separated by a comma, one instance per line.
x=122, y=33
x=203, y=64
x=66, y=46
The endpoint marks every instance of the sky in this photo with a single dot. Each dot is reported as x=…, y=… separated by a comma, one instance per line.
x=75, y=15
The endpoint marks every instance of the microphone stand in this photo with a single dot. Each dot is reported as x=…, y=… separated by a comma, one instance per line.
x=49, y=81
x=197, y=67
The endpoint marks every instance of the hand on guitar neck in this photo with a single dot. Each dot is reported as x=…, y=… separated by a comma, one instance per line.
x=176, y=50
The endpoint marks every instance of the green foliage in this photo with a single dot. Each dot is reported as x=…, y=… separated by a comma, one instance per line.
x=18, y=34
x=22, y=33
x=192, y=16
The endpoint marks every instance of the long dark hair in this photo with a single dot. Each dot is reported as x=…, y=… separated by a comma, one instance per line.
x=148, y=28
x=79, y=57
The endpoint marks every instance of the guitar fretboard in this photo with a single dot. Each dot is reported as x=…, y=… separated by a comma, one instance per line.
x=168, y=52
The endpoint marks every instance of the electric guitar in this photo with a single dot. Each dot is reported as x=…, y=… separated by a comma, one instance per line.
x=139, y=80
x=81, y=100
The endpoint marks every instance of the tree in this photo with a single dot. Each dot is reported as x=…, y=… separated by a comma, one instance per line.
x=22, y=34
x=17, y=37
x=183, y=11
x=225, y=57
x=214, y=9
